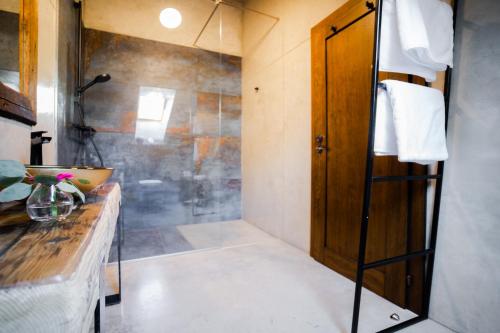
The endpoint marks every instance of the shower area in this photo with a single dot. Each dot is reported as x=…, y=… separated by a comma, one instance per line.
x=169, y=119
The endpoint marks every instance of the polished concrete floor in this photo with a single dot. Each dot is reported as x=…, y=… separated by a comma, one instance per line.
x=150, y=242
x=247, y=281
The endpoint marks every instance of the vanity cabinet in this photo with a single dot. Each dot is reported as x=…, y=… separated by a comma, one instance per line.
x=50, y=272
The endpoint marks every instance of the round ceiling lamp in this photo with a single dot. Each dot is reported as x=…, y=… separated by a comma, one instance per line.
x=170, y=18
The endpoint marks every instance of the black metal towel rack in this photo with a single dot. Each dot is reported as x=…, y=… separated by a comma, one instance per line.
x=370, y=179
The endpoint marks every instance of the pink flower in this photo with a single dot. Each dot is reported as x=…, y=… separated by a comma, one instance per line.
x=62, y=176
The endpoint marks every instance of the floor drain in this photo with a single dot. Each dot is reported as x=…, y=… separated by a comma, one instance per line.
x=395, y=317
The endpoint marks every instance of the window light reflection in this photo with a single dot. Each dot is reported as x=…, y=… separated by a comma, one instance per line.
x=153, y=113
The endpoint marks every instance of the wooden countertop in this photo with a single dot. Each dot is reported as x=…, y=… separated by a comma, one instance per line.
x=34, y=253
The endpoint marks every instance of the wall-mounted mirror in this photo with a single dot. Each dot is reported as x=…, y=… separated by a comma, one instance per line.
x=18, y=59
x=9, y=43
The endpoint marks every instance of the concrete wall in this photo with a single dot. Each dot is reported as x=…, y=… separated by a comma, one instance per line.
x=67, y=139
x=276, y=121
x=10, y=5
x=466, y=290
x=15, y=141
x=140, y=18
x=47, y=76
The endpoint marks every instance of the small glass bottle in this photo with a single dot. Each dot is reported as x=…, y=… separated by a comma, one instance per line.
x=48, y=203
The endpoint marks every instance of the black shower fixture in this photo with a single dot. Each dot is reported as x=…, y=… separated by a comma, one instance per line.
x=87, y=132
x=98, y=79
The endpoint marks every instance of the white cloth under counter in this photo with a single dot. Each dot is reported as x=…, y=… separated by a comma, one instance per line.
x=416, y=37
x=410, y=123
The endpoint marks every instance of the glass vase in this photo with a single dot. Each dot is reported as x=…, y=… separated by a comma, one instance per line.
x=49, y=203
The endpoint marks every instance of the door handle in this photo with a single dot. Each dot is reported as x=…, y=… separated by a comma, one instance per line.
x=320, y=148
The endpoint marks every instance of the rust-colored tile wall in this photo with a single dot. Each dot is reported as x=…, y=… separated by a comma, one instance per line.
x=191, y=174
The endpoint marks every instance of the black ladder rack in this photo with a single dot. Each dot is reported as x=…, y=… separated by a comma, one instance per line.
x=370, y=179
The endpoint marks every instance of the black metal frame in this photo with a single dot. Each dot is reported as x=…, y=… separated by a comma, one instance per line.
x=97, y=317
x=115, y=298
x=370, y=179
x=85, y=133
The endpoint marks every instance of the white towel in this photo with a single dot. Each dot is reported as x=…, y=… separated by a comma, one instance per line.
x=416, y=116
x=426, y=32
x=392, y=57
x=385, y=133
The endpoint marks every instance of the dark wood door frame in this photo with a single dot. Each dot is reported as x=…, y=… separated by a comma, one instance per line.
x=347, y=14
x=337, y=20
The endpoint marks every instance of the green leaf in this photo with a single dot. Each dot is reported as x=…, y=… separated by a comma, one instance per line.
x=67, y=187
x=46, y=179
x=11, y=172
x=7, y=181
x=11, y=169
x=14, y=192
x=84, y=181
x=70, y=188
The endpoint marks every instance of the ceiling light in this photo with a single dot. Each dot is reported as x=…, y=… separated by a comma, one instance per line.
x=170, y=18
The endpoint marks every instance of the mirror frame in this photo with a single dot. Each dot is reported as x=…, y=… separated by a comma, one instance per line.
x=21, y=106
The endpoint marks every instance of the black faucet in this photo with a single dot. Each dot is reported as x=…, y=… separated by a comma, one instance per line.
x=37, y=140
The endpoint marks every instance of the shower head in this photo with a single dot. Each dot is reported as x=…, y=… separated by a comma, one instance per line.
x=102, y=77
x=98, y=79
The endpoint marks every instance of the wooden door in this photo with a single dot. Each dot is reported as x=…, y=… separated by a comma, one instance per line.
x=342, y=52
